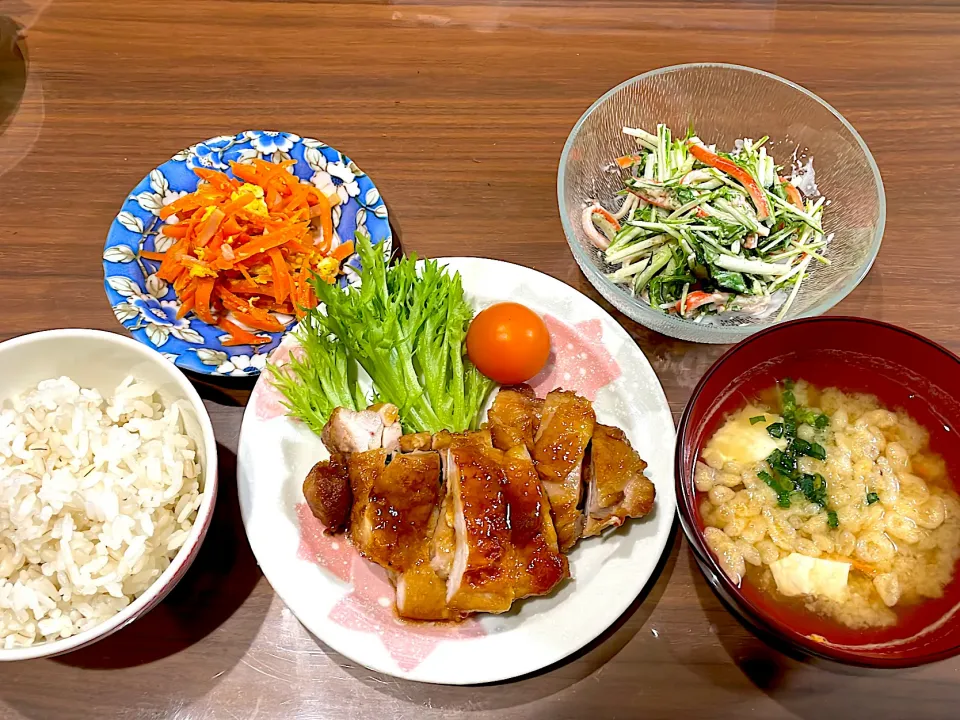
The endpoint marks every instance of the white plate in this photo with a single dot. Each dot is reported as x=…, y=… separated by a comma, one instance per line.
x=347, y=602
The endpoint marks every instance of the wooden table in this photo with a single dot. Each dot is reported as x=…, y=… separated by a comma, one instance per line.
x=459, y=111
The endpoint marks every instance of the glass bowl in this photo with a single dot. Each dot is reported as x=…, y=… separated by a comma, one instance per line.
x=905, y=371
x=724, y=103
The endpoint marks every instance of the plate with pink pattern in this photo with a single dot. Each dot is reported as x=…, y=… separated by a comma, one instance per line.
x=348, y=602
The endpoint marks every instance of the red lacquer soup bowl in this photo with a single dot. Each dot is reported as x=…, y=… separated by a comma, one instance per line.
x=905, y=371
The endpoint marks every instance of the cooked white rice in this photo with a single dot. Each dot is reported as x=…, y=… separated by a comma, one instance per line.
x=96, y=496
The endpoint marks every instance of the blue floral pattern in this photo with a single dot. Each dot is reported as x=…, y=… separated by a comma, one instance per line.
x=148, y=307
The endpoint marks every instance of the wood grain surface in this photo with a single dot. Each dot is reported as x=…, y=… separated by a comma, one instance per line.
x=459, y=112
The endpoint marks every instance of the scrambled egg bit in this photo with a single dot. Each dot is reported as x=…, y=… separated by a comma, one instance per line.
x=328, y=268
x=257, y=206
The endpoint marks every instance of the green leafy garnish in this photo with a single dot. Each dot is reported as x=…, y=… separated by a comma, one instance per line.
x=782, y=488
x=814, y=488
x=789, y=401
x=319, y=376
x=730, y=280
x=783, y=462
x=821, y=422
x=802, y=447
x=872, y=497
x=757, y=419
x=832, y=519
x=817, y=451
x=406, y=327
x=785, y=476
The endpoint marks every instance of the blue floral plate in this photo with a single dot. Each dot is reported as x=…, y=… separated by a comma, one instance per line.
x=147, y=306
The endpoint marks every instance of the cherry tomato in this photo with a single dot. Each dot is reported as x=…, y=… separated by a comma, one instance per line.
x=508, y=343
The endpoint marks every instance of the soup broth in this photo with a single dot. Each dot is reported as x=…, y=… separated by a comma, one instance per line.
x=830, y=501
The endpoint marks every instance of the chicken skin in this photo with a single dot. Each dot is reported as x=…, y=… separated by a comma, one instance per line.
x=559, y=448
x=514, y=417
x=617, y=488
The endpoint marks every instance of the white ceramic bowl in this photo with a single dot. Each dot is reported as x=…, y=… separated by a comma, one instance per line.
x=101, y=360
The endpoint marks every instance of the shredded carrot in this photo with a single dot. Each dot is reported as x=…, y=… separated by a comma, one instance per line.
x=342, y=251
x=174, y=231
x=865, y=568
x=201, y=305
x=251, y=315
x=239, y=336
x=322, y=210
x=248, y=243
x=281, y=275
x=186, y=305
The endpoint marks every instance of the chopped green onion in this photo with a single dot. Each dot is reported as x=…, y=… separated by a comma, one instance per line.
x=814, y=488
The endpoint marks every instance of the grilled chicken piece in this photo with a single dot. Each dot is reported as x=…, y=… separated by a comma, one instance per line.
x=479, y=580
x=349, y=431
x=538, y=565
x=402, y=500
x=444, y=543
x=443, y=439
x=422, y=595
x=392, y=431
x=394, y=516
x=514, y=417
x=444, y=540
x=617, y=489
x=561, y=442
x=364, y=469
x=327, y=491
x=415, y=441
x=505, y=546
x=496, y=528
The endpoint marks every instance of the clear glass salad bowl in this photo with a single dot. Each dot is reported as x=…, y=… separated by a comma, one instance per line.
x=725, y=103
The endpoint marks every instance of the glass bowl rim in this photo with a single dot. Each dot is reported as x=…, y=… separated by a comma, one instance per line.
x=675, y=327
x=730, y=593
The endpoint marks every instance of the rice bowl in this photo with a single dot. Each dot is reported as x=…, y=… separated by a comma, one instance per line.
x=107, y=484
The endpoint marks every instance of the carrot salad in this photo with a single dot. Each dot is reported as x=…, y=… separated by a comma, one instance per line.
x=247, y=246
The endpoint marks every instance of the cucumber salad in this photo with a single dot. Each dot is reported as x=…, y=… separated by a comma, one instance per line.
x=701, y=232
